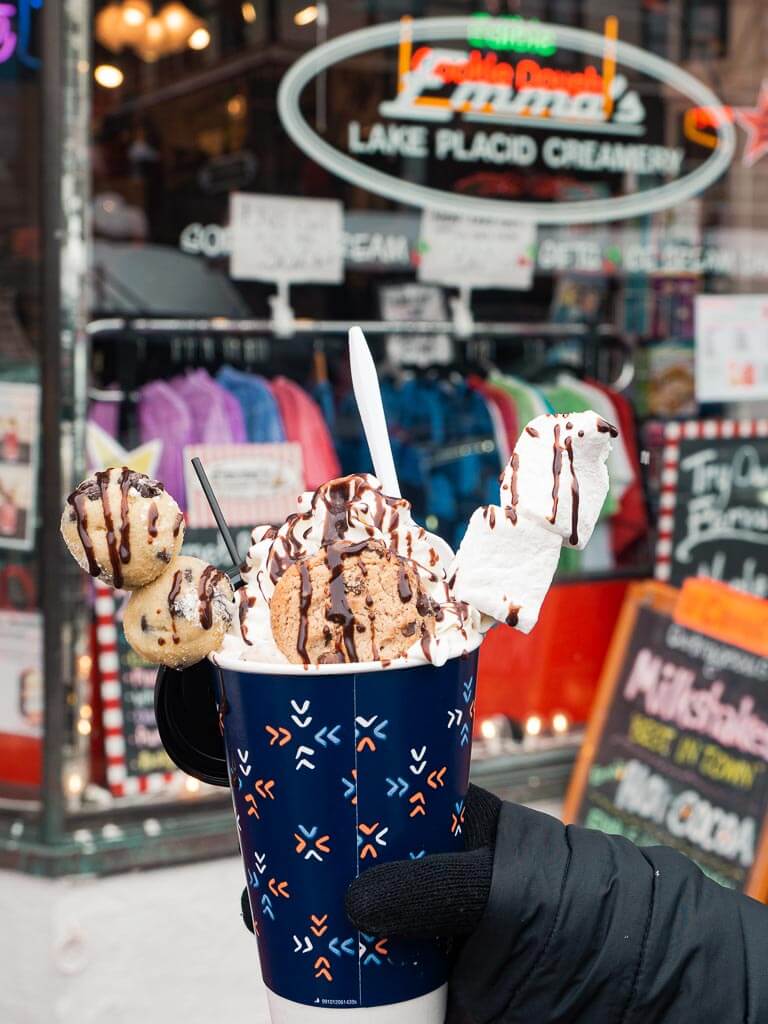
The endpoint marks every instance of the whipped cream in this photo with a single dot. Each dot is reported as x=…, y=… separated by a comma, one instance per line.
x=351, y=509
x=552, y=491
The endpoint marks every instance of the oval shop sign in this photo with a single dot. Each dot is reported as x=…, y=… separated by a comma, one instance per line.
x=592, y=118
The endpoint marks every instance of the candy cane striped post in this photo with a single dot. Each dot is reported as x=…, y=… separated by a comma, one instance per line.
x=119, y=781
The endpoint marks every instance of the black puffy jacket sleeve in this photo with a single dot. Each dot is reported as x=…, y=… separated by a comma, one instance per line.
x=586, y=928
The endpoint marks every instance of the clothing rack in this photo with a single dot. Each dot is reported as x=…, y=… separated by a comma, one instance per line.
x=255, y=336
x=224, y=325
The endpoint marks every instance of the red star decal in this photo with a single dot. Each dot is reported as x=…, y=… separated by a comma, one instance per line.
x=754, y=121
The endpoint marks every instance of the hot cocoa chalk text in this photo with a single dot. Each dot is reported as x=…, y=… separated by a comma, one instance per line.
x=686, y=815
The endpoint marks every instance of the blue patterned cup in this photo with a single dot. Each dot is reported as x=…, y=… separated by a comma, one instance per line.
x=334, y=769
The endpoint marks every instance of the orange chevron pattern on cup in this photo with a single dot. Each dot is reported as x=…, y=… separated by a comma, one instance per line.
x=318, y=925
x=279, y=735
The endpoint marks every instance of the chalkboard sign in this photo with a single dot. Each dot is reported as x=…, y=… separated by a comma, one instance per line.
x=136, y=759
x=713, y=519
x=677, y=749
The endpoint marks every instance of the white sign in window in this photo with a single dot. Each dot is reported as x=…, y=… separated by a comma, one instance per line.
x=276, y=238
x=731, y=353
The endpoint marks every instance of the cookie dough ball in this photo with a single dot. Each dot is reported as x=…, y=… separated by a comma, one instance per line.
x=182, y=616
x=350, y=602
x=122, y=527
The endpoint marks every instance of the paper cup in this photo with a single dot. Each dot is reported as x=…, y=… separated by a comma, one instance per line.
x=333, y=770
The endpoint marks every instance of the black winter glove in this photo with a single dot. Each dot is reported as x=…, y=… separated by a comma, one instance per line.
x=442, y=895
x=563, y=925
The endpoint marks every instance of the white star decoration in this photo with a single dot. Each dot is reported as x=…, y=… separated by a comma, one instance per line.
x=103, y=451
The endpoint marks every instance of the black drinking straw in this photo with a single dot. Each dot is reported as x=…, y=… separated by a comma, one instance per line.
x=221, y=522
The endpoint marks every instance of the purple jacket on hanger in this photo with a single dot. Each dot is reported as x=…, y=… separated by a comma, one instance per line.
x=163, y=414
x=217, y=417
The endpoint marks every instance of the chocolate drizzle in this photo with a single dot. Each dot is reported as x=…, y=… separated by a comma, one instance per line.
x=173, y=595
x=102, y=479
x=78, y=501
x=177, y=525
x=511, y=511
x=305, y=600
x=404, y=585
x=513, y=615
x=126, y=482
x=336, y=498
x=604, y=427
x=574, y=538
x=152, y=517
x=338, y=610
x=557, y=465
x=532, y=431
x=205, y=593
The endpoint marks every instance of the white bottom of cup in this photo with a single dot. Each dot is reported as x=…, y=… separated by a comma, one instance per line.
x=428, y=1009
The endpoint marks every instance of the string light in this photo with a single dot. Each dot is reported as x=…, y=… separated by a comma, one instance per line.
x=248, y=11
x=108, y=76
x=84, y=727
x=533, y=725
x=488, y=729
x=199, y=39
x=306, y=15
x=191, y=785
x=85, y=662
x=236, y=106
x=560, y=723
x=74, y=785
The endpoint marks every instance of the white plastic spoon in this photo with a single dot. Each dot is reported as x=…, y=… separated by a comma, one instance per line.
x=365, y=383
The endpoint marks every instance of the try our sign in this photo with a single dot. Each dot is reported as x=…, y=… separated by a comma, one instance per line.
x=714, y=517
x=677, y=748
x=530, y=104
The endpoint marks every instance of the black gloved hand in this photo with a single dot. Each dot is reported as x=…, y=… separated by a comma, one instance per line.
x=569, y=926
x=444, y=894
x=441, y=895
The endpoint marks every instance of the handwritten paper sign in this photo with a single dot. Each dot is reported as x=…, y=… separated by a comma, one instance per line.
x=714, y=515
x=731, y=347
x=415, y=303
x=276, y=238
x=677, y=748
x=477, y=252
x=254, y=483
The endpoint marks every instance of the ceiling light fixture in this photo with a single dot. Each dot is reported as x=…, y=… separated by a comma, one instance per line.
x=305, y=16
x=179, y=23
x=108, y=76
x=132, y=23
x=109, y=27
x=136, y=12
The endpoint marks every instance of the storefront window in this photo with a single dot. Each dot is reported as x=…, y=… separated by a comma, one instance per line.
x=541, y=207
x=21, y=623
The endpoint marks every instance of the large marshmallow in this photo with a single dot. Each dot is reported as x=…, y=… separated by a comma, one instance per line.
x=504, y=569
x=508, y=557
x=560, y=461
